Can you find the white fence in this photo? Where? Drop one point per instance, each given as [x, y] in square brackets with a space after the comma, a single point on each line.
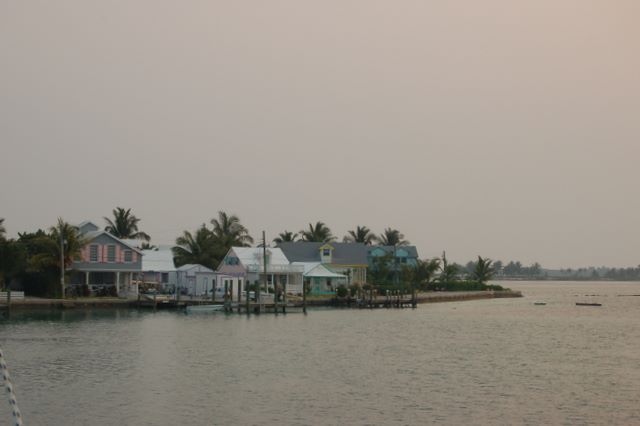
[15, 295]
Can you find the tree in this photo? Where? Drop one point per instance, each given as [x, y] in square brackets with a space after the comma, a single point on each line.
[513, 269]
[497, 265]
[229, 232]
[483, 271]
[318, 233]
[125, 225]
[285, 237]
[381, 269]
[392, 237]
[361, 234]
[197, 248]
[13, 257]
[47, 257]
[448, 272]
[421, 275]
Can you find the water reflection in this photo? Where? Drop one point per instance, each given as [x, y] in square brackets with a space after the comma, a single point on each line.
[489, 361]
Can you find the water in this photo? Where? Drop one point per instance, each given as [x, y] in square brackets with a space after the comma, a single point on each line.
[502, 361]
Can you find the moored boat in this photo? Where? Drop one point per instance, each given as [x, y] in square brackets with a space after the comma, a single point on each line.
[204, 309]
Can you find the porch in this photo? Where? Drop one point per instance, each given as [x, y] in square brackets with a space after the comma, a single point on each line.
[102, 283]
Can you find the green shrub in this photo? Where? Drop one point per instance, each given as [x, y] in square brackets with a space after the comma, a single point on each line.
[342, 291]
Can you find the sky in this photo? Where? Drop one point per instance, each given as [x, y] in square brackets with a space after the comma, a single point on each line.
[507, 129]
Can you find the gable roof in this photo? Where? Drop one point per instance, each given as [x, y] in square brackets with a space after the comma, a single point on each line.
[253, 255]
[190, 266]
[158, 261]
[92, 235]
[343, 253]
[87, 226]
[318, 270]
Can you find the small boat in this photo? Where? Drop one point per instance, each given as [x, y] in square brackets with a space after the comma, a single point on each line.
[540, 303]
[204, 309]
[588, 304]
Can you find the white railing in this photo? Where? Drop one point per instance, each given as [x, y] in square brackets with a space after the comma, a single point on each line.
[277, 269]
[15, 295]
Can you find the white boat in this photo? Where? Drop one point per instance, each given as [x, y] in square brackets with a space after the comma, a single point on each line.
[204, 309]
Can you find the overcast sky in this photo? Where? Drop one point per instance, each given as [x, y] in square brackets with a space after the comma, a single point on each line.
[509, 129]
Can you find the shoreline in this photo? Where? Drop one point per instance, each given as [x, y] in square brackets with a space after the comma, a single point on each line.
[116, 303]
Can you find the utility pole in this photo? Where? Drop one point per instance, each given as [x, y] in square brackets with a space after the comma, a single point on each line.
[61, 264]
[264, 279]
[275, 281]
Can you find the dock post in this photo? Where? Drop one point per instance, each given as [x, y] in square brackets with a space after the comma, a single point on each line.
[414, 301]
[226, 296]
[304, 296]
[275, 295]
[239, 297]
[246, 296]
[284, 299]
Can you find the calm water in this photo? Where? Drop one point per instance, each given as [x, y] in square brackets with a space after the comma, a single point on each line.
[501, 361]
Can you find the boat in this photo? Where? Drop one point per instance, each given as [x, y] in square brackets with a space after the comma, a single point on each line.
[588, 304]
[540, 303]
[204, 309]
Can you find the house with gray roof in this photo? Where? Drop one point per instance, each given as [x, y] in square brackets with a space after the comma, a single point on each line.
[346, 259]
[106, 265]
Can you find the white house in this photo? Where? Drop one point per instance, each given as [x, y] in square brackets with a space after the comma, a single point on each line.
[195, 280]
[158, 268]
[247, 265]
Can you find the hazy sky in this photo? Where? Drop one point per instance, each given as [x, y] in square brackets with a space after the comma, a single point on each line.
[505, 128]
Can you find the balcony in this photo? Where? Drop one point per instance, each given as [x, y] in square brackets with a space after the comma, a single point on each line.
[276, 269]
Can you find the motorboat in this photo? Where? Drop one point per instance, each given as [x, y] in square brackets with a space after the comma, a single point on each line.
[204, 309]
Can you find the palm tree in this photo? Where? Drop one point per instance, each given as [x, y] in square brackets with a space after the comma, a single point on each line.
[285, 237]
[318, 233]
[361, 234]
[424, 271]
[229, 232]
[392, 237]
[147, 246]
[483, 271]
[125, 225]
[448, 272]
[197, 248]
[49, 256]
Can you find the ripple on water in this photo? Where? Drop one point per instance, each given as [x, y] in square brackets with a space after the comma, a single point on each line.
[499, 361]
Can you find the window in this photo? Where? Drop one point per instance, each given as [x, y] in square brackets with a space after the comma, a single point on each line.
[403, 260]
[111, 253]
[165, 277]
[128, 256]
[93, 253]
[326, 252]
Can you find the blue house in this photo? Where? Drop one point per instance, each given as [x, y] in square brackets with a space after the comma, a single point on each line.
[404, 255]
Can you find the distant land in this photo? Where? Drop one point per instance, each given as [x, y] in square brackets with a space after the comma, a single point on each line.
[515, 270]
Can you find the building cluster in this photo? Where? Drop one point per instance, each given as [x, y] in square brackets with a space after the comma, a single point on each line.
[110, 265]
